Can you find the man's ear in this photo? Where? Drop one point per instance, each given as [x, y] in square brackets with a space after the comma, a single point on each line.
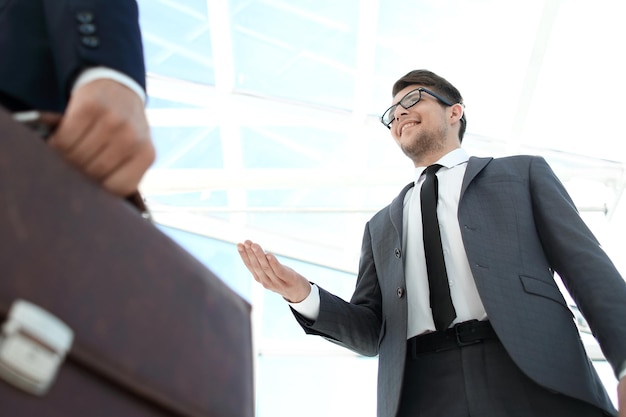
[457, 112]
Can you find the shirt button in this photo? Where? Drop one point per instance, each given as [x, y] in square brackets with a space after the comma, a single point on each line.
[398, 253]
[400, 292]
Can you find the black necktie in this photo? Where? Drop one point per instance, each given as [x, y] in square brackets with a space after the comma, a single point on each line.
[440, 301]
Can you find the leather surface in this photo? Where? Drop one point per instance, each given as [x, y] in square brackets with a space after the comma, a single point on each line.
[156, 332]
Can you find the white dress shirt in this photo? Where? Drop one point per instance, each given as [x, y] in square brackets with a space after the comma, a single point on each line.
[463, 290]
[98, 73]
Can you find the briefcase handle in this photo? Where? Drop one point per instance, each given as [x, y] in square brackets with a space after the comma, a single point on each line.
[44, 123]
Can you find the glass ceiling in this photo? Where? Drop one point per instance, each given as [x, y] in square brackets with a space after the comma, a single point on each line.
[265, 116]
[265, 112]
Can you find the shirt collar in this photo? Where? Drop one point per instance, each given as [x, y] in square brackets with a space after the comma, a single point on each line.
[453, 158]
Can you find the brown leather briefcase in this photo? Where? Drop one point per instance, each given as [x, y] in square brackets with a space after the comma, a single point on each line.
[149, 330]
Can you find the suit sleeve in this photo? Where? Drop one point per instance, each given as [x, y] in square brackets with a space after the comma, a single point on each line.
[90, 33]
[589, 275]
[355, 325]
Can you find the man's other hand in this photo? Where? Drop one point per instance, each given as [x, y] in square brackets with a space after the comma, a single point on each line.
[105, 133]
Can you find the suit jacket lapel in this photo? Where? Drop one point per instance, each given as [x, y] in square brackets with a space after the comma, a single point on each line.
[396, 208]
[474, 166]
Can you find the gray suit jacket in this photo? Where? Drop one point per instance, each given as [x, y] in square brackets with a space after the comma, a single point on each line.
[519, 226]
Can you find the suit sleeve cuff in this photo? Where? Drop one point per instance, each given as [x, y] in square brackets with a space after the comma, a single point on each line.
[97, 73]
[310, 306]
[622, 373]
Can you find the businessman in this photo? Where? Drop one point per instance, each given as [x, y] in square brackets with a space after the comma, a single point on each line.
[82, 59]
[455, 289]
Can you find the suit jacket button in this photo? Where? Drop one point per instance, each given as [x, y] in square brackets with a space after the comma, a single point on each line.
[90, 41]
[87, 28]
[398, 253]
[84, 17]
[400, 292]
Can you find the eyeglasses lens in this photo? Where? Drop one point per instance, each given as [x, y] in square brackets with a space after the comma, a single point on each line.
[411, 99]
[407, 101]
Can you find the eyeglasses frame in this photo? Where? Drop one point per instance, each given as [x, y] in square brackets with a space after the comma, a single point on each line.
[421, 90]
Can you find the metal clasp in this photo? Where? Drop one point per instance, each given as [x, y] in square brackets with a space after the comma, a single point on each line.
[33, 345]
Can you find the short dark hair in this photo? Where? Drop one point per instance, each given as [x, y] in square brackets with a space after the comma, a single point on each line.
[433, 81]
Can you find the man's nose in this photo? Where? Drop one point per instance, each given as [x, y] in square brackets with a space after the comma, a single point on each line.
[399, 111]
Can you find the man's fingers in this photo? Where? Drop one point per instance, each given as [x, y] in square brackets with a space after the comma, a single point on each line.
[124, 180]
[263, 269]
[269, 272]
[261, 257]
[105, 133]
[251, 261]
[245, 257]
[98, 149]
[278, 269]
[257, 262]
[70, 132]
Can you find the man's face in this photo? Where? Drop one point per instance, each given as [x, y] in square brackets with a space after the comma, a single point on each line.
[422, 128]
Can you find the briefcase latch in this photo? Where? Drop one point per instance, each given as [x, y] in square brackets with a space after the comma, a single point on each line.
[33, 344]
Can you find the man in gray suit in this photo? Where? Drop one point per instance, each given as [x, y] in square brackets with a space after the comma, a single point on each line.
[507, 344]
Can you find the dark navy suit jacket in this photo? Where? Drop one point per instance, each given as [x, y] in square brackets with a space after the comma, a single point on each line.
[45, 44]
[519, 226]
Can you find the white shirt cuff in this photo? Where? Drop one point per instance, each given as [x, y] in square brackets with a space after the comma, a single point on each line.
[310, 306]
[98, 73]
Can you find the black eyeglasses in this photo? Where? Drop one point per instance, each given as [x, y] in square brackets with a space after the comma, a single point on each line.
[409, 100]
